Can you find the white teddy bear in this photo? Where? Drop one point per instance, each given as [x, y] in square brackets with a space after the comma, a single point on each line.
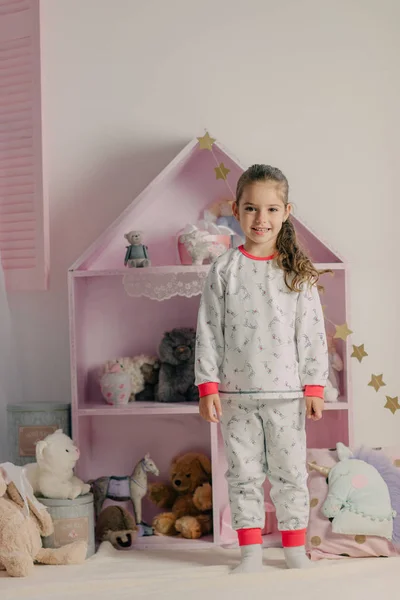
[52, 475]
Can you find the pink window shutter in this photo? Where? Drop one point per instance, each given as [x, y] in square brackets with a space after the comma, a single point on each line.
[24, 222]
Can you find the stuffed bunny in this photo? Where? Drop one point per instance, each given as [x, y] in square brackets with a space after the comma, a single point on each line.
[21, 531]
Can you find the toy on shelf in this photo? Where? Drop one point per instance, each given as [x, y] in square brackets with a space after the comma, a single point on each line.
[332, 389]
[188, 497]
[121, 489]
[176, 379]
[116, 525]
[21, 530]
[151, 372]
[136, 253]
[52, 476]
[364, 487]
[221, 214]
[126, 379]
[197, 246]
[116, 385]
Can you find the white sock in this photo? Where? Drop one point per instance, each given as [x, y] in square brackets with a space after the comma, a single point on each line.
[296, 558]
[251, 559]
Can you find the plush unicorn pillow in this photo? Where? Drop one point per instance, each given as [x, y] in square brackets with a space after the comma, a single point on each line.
[358, 500]
[325, 539]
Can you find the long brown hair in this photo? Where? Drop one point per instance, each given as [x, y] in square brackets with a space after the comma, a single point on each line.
[291, 258]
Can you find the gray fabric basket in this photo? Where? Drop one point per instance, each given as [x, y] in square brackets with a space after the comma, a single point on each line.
[73, 520]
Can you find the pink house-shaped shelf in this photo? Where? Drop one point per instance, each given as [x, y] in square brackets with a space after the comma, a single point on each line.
[117, 312]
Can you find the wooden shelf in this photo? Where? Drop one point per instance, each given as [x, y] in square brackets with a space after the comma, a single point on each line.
[139, 408]
[164, 282]
[274, 540]
[161, 408]
[155, 270]
[336, 406]
[157, 542]
[163, 269]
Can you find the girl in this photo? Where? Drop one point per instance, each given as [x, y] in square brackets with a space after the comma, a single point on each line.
[262, 364]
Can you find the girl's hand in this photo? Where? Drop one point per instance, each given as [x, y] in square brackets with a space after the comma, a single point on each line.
[210, 408]
[314, 407]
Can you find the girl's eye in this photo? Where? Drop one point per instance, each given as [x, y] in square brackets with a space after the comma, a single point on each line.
[249, 208]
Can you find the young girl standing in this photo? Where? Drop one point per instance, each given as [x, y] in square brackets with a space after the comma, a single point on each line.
[262, 364]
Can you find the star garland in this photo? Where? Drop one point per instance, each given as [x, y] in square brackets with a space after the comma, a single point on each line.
[392, 404]
[359, 353]
[206, 142]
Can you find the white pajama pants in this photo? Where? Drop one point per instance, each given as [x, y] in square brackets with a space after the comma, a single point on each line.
[265, 438]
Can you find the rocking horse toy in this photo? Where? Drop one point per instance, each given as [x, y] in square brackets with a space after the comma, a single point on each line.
[120, 489]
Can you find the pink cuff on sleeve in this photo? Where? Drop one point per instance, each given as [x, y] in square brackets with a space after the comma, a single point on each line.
[317, 391]
[205, 389]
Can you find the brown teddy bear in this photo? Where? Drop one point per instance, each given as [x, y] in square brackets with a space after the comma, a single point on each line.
[188, 498]
[20, 541]
[116, 525]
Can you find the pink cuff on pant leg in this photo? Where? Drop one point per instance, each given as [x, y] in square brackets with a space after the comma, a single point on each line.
[297, 537]
[247, 537]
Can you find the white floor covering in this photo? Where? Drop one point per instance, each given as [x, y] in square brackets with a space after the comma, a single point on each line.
[203, 574]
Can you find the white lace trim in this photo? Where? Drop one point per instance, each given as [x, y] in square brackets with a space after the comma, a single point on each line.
[162, 283]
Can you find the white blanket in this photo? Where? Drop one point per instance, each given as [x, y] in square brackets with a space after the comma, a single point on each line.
[17, 475]
[202, 575]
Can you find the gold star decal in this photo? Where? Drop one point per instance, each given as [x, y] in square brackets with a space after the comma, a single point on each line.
[206, 142]
[342, 331]
[359, 352]
[376, 382]
[221, 171]
[392, 404]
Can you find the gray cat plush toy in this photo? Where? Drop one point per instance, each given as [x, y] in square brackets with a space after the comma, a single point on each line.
[176, 376]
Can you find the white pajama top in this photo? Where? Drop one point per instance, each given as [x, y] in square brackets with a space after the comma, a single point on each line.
[255, 337]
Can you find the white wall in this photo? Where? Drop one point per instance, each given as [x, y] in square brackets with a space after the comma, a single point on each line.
[311, 86]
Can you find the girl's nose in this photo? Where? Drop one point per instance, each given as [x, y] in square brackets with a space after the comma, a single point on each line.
[262, 217]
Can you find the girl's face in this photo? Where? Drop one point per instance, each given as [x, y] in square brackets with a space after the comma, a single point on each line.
[261, 213]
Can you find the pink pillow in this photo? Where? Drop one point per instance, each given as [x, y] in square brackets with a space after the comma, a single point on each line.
[321, 541]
